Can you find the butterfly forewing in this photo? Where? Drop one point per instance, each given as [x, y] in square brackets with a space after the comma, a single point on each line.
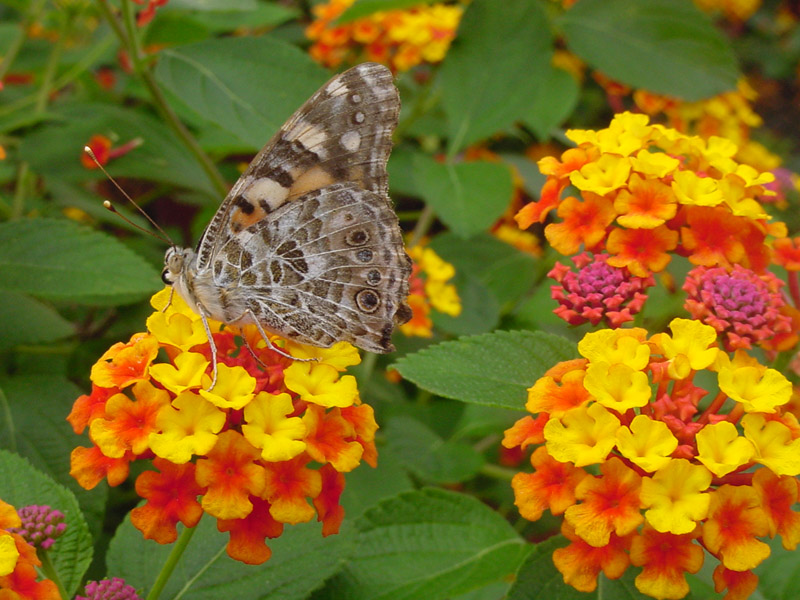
[342, 133]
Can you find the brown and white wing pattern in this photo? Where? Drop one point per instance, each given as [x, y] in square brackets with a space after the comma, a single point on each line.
[335, 269]
[343, 133]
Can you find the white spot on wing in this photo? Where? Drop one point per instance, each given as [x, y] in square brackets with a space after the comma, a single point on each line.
[350, 141]
[268, 190]
[335, 88]
[308, 134]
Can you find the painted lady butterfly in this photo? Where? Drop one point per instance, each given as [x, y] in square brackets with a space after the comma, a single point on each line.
[306, 244]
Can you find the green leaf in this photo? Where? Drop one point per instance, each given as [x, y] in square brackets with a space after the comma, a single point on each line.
[504, 270]
[497, 62]
[247, 86]
[493, 369]
[552, 102]
[401, 171]
[25, 320]
[22, 486]
[301, 560]
[538, 577]
[429, 544]
[36, 428]
[779, 575]
[429, 456]
[367, 486]
[59, 259]
[480, 311]
[363, 8]
[528, 170]
[228, 17]
[664, 46]
[468, 197]
[55, 150]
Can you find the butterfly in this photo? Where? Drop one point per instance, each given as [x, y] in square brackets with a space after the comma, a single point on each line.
[306, 244]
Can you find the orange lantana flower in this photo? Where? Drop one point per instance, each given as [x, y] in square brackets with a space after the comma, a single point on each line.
[580, 563]
[584, 223]
[665, 558]
[171, 494]
[735, 520]
[610, 504]
[642, 251]
[125, 363]
[247, 535]
[551, 486]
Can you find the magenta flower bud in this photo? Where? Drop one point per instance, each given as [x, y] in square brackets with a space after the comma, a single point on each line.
[109, 589]
[743, 306]
[41, 525]
[597, 291]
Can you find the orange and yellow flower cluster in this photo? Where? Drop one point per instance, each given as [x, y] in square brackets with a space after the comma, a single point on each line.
[267, 445]
[429, 288]
[648, 472]
[18, 562]
[729, 115]
[649, 192]
[400, 39]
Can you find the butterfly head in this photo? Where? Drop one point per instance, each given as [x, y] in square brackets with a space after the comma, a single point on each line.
[176, 261]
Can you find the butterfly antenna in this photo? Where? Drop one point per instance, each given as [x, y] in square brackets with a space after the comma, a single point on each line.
[164, 237]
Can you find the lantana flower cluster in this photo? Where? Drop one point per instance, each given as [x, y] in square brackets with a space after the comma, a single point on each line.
[267, 445]
[648, 193]
[429, 288]
[400, 39]
[18, 561]
[729, 115]
[655, 449]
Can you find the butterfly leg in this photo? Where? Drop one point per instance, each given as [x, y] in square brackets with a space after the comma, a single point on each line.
[272, 346]
[213, 347]
[169, 302]
[260, 362]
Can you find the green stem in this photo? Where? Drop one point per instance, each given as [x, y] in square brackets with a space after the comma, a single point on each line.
[112, 20]
[424, 397]
[130, 40]
[50, 68]
[19, 191]
[9, 419]
[132, 37]
[781, 362]
[426, 219]
[198, 573]
[50, 572]
[172, 561]
[496, 472]
[368, 366]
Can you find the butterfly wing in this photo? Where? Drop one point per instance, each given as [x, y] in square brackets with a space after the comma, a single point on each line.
[335, 268]
[307, 241]
[342, 133]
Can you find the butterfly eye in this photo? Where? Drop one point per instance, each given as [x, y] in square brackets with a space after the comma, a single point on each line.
[166, 278]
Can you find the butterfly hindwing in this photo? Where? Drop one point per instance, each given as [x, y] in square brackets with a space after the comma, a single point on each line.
[334, 268]
[342, 133]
